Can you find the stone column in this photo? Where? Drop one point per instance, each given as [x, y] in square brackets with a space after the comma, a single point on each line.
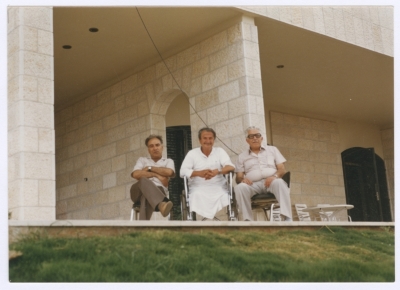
[31, 141]
[252, 85]
[228, 96]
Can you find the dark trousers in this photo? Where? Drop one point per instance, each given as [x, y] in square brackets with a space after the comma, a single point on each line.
[149, 195]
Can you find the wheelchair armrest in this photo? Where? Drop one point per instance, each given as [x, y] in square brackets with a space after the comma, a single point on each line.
[229, 177]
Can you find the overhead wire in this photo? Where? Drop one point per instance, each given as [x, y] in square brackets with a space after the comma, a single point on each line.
[173, 77]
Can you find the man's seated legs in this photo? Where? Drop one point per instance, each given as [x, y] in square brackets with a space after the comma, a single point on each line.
[151, 198]
[281, 191]
[243, 194]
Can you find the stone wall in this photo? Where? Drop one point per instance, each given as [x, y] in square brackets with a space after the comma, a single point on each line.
[31, 152]
[99, 139]
[311, 147]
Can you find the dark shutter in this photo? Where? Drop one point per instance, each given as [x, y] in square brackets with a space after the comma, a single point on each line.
[179, 142]
[365, 184]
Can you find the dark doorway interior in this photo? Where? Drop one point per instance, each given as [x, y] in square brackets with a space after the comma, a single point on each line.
[366, 185]
[179, 142]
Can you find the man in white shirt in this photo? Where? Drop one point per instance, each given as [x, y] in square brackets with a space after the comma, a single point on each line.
[153, 174]
[204, 167]
[258, 170]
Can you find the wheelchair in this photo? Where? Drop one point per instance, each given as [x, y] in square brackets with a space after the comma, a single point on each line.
[189, 215]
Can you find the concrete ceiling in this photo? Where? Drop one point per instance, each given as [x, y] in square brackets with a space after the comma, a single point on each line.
[321, 75]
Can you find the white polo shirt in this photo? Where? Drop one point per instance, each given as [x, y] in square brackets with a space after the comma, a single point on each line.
[259, 166]
[143, 162]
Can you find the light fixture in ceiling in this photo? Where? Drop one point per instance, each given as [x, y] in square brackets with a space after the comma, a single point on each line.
[67, 46]
[280, 66]
[93, 29]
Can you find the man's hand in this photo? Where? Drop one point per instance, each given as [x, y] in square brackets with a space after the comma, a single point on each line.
[269, 180]
[163, 171]
[206, 173]
[247, 181]
[240, 178]
[164, 180]
[211, 173]
[144, 173]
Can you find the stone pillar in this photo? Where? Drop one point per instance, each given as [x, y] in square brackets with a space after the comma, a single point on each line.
[255, 115]
[31, 139]
[228, 96]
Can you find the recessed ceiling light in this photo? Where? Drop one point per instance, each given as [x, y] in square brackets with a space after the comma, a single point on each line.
[93, 29]
[67, 46]
[280, 66]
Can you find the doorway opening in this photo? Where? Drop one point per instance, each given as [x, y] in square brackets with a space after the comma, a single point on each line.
[179, 142]
[366, 185]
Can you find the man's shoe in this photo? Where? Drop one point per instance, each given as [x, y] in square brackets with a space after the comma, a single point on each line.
[165, 207]
[288, 219]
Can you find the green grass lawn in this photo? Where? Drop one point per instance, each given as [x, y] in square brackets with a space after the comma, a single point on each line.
[326, 255]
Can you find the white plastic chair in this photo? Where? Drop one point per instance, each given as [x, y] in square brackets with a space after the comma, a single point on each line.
[135, 211]
[324, 215]
[275, 213]
[302, 215]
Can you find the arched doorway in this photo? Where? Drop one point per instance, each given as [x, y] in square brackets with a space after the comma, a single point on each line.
[366, 185]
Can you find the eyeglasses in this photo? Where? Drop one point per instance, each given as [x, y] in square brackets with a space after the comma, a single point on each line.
[251, 136]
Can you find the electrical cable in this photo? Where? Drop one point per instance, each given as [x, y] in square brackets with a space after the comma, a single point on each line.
[173, 77]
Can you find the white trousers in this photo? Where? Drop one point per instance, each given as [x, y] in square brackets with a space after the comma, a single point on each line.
[244, 193]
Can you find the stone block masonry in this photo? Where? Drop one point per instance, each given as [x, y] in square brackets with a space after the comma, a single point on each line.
[100, 138]
[313, 158]
[31, 138]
